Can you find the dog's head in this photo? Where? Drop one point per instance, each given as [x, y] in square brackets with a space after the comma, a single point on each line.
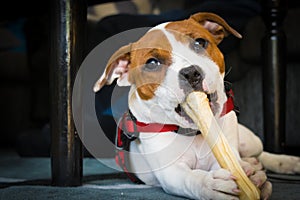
[167, 63]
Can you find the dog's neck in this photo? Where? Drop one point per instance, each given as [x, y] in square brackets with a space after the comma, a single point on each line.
[132, 125]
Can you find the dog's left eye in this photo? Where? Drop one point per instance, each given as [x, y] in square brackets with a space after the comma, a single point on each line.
[152, 64]
[199, 44]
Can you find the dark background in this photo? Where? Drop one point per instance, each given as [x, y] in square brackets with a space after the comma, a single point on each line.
[24, 64]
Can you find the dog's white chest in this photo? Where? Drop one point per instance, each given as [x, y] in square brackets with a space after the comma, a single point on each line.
[163, 149]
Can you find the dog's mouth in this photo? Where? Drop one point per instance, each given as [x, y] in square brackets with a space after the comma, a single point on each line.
[212, 97]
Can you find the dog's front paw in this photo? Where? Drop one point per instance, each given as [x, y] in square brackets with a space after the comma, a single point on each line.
[220, 184]
[255, 171]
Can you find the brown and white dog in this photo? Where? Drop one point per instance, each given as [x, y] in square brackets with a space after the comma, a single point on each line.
[162, 68]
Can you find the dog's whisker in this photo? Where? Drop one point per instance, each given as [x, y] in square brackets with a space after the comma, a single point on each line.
[228, 71]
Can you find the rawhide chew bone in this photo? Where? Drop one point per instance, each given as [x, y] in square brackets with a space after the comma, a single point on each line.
[198, 109]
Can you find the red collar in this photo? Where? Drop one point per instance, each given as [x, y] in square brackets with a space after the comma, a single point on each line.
[132, 126]
[151, 127]
[129, 129]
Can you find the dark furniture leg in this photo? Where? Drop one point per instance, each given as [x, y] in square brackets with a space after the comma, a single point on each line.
[274, 75]
[68, 19]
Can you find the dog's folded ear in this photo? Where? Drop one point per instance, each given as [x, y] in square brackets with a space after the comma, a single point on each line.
[216, 25]
[116, 68]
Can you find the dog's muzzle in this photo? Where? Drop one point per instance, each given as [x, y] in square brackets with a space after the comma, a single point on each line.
[191, 79]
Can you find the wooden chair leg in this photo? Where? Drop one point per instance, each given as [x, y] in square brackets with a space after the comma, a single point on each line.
[274, 75]
[68, 19]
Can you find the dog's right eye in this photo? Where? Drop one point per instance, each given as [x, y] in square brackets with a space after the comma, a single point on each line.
[199, 45]
[152, 64]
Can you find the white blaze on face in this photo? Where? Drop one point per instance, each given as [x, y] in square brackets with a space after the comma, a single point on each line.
[183, 57]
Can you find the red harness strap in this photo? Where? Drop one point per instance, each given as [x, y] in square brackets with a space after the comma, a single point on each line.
[153, 127]
[127, 131]
[229, 104]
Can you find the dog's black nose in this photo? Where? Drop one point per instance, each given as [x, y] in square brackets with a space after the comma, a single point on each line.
[191, 78]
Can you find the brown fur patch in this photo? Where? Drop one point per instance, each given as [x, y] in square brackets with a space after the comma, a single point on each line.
[144, 49]
[194, 30]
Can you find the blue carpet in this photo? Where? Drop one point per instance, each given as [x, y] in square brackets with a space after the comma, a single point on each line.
[29, 178]
[82, 193]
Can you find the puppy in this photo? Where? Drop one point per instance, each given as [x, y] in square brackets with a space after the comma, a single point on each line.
[164, 146]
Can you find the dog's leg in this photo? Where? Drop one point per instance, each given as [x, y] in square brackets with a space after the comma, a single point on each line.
[280, 163]
[250, 145]
[180, 180]
[140, 166]
[178, 175]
